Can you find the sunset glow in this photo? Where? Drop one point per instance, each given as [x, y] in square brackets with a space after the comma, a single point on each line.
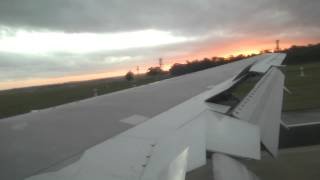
[57, 42]
[245, 48]
[59, 80]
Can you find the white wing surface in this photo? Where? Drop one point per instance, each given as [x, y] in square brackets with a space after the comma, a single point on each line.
[175, 141]
[262, 107]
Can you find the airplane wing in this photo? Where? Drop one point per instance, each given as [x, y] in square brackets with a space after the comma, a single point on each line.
[270, 60]
[262, 106]
[172, 141]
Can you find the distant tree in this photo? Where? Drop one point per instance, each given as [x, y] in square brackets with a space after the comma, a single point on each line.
[302, 54]
[178, 69]
[265, 51]
[198, 65]
[236, 58]
[295, 54]
[153, 71]
[129, 76]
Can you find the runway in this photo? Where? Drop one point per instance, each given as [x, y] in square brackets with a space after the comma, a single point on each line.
[301, 118]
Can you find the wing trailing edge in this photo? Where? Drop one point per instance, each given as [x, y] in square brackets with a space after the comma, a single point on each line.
[262, 106]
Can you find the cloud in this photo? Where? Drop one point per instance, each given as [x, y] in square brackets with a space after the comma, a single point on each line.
[183, 16]
[210, 24]
[21, 41]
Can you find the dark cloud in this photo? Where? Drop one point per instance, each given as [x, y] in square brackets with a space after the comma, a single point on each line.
[215, 22]
[17, 66]
[182, 16]
[22, 66]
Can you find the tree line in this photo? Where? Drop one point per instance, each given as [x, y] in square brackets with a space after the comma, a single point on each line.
[295, 55]
[198, 65]
[302, 54]
[190, 66]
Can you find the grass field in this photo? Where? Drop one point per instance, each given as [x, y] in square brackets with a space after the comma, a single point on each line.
[305, 91]
[21, 101]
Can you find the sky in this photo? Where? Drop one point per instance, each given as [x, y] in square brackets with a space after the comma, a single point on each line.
[46, 41]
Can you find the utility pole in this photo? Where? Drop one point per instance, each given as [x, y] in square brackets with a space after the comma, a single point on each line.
[160, 63]
[277, 46]
[138, 70]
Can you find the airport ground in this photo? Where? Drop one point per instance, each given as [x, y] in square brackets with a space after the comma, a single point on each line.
[20, 101]
[301, 105]
[293, 163]
[299, 155]
[304, 91]
[301, 102]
